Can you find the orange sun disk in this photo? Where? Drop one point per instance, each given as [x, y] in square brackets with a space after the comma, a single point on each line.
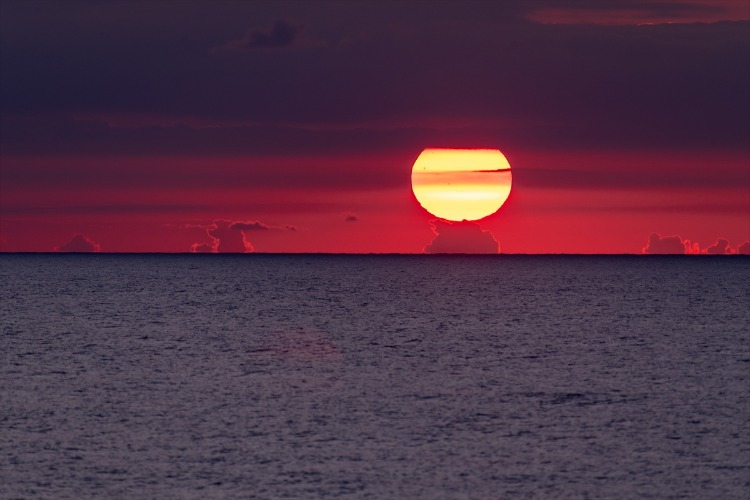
[461, 184]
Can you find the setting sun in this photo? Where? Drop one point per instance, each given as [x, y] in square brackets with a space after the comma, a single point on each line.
[461, 184]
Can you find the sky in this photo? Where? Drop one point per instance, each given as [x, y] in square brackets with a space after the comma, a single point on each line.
[227, 126]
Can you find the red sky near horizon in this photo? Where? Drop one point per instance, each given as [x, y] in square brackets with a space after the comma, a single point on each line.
[293, 126]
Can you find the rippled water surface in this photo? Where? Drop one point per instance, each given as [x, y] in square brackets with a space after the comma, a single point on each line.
[374, 376]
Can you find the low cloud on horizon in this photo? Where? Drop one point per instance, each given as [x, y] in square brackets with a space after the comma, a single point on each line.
[228, 236]
[461, 237]
[676, 245]
[79, 243]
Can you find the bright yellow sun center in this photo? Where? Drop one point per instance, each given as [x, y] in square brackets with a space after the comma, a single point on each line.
[458, 184]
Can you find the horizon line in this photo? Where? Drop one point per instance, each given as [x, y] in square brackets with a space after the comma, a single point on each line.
[359, 254]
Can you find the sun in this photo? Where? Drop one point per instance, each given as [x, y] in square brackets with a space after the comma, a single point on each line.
[461, 184]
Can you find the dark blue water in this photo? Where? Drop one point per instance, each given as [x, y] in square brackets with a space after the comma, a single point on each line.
[374, 376]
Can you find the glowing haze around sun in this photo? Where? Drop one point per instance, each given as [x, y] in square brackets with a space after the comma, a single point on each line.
[461, 184]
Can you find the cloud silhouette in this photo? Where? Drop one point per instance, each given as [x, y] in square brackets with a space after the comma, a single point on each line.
[667, 245]
[670, 245]
[351, 217]
[461, 237]
[228, 239]
[282, 34]
[721, 247]
[79, 243]
[202, 248]
[228, 236]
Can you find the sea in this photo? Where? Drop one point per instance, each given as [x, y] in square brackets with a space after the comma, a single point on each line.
[374, 376]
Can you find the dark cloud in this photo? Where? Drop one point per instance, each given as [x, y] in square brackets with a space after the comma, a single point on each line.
[461, 237]
[351, 217]
[79, 243]
[721, 247]
[203, 248]
[669, 245]
[529, 85]
[282, 34]
[666, 245]
[225, 238]
[229, 236]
